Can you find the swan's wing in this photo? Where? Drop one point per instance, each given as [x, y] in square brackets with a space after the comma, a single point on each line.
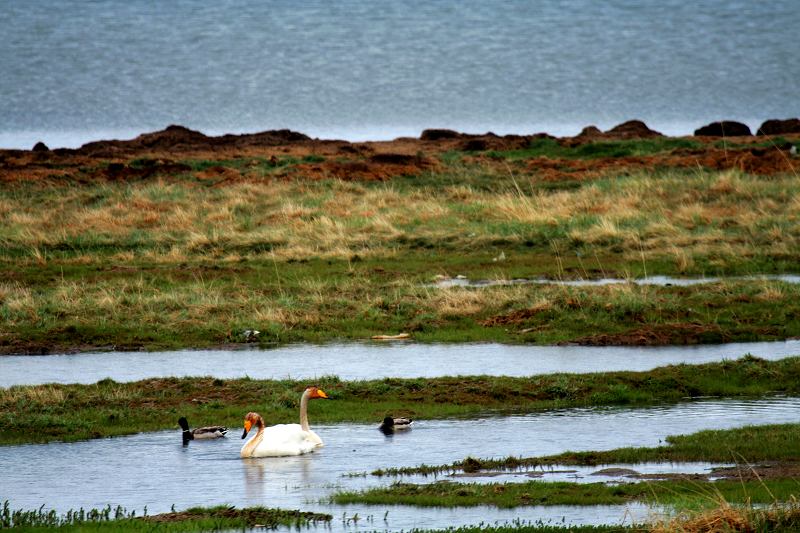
[286, 439]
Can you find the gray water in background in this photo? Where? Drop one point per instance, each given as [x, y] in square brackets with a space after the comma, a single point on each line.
[354, 361]
[153, 469]
[357, 69]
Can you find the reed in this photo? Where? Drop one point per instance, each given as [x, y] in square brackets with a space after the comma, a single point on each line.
[217, 518]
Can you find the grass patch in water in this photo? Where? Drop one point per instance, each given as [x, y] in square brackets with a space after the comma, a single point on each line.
[682, 493]
[776, 442]
[195, 519]
[74, 412]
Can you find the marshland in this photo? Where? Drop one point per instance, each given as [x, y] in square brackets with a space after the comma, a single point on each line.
[449, 215]
[276, 272]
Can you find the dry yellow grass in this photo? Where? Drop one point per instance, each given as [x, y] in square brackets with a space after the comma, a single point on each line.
[700, 214]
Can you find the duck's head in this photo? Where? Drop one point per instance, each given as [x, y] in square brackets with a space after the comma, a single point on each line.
[250, 420]
[315, 392]
[183, 423]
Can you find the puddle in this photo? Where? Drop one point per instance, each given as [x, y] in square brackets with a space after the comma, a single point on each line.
[354, 361]
[662, 281]
[155, 470]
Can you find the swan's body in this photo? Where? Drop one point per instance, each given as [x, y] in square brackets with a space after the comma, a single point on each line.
[208, 432]
[282, 439]
[390, 424]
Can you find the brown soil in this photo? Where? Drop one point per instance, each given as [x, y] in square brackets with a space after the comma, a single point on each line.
[163, 154]
[659, 334]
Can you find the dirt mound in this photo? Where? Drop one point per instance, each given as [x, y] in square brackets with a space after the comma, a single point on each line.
[726, 128]
[379, 167]
[439, 134]
[779, 127]
[658, 335]
[144, 169]
[180, 139]
[632, 129]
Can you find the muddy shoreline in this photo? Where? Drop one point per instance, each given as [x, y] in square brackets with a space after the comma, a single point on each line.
[164, 154]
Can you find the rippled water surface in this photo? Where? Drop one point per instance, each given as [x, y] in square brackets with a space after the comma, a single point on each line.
[78, 71]
[371, 361]
[154, 469]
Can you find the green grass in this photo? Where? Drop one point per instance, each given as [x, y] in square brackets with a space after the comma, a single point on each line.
[777, 442]
[636, 147]
[74, 412]
[179, 261]
[692, 494]
[195, 519]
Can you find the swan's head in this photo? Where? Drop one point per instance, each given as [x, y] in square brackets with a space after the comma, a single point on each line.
[315, 392]
[251, 419]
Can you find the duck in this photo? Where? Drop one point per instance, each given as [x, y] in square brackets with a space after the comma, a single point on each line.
[391, 424]
[283, 440]
[208, 432]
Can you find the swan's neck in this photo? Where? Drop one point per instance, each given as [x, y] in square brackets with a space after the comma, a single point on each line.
[304, 410]
[251, 445]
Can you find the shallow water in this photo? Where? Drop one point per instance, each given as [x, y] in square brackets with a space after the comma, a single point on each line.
[155, 470]
[371, 361]
[360, 70]
[661, 281]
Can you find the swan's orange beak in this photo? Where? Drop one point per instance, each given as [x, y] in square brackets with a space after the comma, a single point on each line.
[247, 426]
[321, 394]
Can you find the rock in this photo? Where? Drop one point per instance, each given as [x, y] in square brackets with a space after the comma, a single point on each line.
[40, 147]
[779, 127]
[633, 129]
[250, 335]
[726, 128]
[437, 134]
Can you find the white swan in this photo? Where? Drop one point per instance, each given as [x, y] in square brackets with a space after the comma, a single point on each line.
[282, 439]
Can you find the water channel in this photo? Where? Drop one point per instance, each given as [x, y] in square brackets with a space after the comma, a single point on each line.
[354, 361]
[155, 470]
[659, 281]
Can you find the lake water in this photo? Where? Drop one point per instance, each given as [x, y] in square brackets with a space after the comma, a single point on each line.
[155, 470]
[356, 69]
[371, 361]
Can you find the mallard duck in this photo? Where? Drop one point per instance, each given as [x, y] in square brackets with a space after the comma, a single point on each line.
[391, 424]
[208, 432]
[283, 439]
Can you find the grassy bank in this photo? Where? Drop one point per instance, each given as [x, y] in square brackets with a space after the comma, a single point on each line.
[684, 494]
[180, 260]
[73, 412]
[777, 442]
[194, 519]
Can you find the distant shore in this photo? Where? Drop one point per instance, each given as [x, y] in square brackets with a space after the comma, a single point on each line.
[24, 140]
